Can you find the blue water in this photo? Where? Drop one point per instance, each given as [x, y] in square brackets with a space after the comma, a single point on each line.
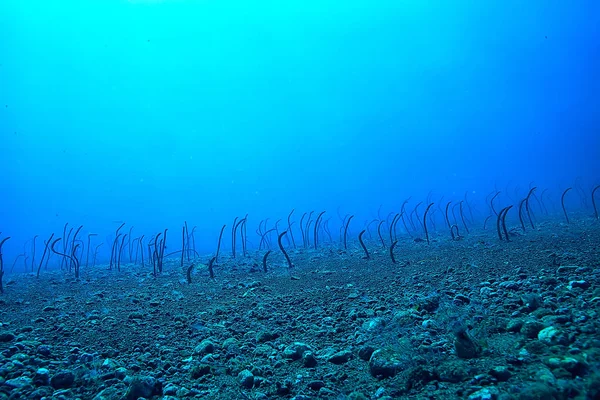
[154, 113]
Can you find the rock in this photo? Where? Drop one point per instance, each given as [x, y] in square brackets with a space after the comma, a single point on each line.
[579, 284]
[429, 324]
[545, 376]
[461, 300]
[552, 336]
[41, 392]
[205, 347]
[136, 315]
[230, 343]
[295, 350]
[44, 350]
[141, 386]
[386, 364]
[41, 377]
[487, 393]
[20, 382]
[531, 328]
[109, 363]
[120, 373]
[200, 370]
[263, 337]
[501, 373]
[309, 360]
[465, 346]
[365, 352]
[574, 366]
[536, 391]
[514, 325]
[452, 371]
[108, 394]
[419, 377]
[6, 337]
[374, 324]
[63, 379]
[246, 379]
[341, 357]
[565, 269]
[316, 385]
[510, 285]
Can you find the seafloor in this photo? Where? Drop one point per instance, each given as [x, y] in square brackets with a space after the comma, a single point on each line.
[475, 318]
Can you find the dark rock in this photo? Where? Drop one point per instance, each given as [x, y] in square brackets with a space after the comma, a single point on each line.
[41, 377]
[531, 329]
[465, 346]
[419, 377]
[6, 337]
[141, 386]
[62, 379]
[246, 379]
[365, 352]
[263, 337]
[579, 284]
[200, 370]
[44, 350]
[284, 389]
[316, 385]
[501, 373]
[205, 347]
[309, 360]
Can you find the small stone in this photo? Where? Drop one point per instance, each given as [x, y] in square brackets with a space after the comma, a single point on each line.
[44, 350]
[531, 328]
[466, 347]
[309, 360]
[41, 377]
[490, 393]
[574, 366]
[501, 373]
[200, 370]
[514, 325]
[511, 285]
[120, 373]
[579, 284]
[6, 337]
[295, 350]
[385, 364]
[141, 386]
[20, 382]
[263, 337]
[170, 390]
[246, 379]
[205, 347]
[340, 357]
[365, 352]
[136, 315]
[565, 269]
[552, 336]
[62, 379]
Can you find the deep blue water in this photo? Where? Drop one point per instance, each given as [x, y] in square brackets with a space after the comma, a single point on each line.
[158, 112]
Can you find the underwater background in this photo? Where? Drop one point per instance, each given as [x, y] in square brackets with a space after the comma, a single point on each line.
[300, 200]
[154, 113]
